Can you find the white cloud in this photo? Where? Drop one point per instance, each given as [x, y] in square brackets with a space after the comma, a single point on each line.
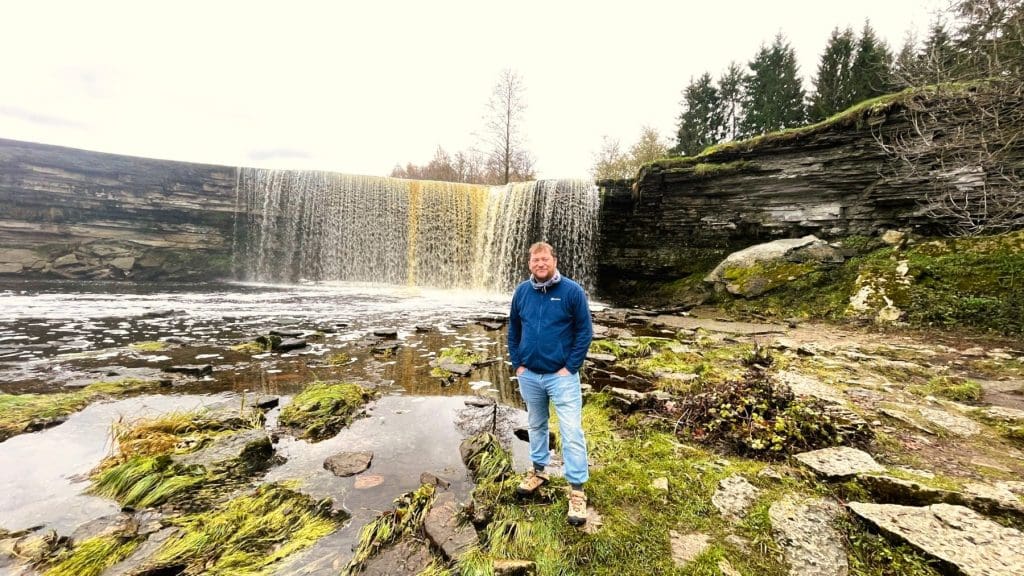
[359, 87]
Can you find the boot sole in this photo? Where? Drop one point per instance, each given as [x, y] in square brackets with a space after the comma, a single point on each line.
[577, 521]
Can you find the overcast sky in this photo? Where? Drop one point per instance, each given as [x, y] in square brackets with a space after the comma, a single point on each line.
[360, 86]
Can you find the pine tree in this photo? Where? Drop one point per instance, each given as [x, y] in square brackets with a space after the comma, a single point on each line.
[701, 124]
[774, 92]
[833, 88]
[730, 90]
[938, 56]
[870, 72]
[906, 67]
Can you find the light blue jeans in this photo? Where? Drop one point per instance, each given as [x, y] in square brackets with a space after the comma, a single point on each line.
[564, 392]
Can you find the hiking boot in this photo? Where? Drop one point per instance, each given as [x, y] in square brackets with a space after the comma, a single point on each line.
[531, 482]
[577, 507]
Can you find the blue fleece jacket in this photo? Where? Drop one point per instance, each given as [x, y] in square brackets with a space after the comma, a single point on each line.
[549, 328]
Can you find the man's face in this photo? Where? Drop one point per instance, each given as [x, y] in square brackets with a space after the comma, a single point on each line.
[542, 265]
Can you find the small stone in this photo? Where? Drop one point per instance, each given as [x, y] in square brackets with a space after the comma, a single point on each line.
[348, 463]
[428, 478]
[660, 484]
[368, 481]
[390, 333]
[191, 369]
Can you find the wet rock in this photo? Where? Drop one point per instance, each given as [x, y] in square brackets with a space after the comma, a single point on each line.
[687, 547]
[289, 344]
[428, 478]
[804, 529]
[952, 423]
[34, 547]
[491, 325]
[514, 568]
[408, 557]
[956, 536]
[160, 314]
[443, 528]
[190, 369]
[734, 497]
[424, 328]
[242, 406]
[367, 481]
[122, 524]
[142, 561]
[839, 463]
[286, 333]
[385, 332]
[251, 449]
[385, 347]
[460, 369]
[348, 463]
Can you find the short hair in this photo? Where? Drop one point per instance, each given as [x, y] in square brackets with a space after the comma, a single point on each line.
[538, 246]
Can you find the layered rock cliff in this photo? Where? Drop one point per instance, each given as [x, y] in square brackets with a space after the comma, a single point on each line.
[876, 167]
[78, 214]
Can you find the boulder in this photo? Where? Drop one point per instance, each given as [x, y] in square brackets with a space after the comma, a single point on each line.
[764, 267]
[805, 531]
[956, 536]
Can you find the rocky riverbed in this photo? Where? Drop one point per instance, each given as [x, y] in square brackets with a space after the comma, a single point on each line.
[923, 454]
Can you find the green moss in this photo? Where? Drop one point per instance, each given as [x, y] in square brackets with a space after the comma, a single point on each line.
[708, 169]
[92, 557]
[958, 389]
[460, 355]
[150, 346]
[324, 408]
[26, 412]
[252, 347]
[766, 276]
[247, 534]
[966, 282]
[339, 359]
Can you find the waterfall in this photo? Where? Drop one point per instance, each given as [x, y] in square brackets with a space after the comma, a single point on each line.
[293, 225]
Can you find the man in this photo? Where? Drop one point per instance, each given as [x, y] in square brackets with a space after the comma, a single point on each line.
[549, 332]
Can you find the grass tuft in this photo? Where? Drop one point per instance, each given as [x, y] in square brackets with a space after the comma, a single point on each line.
[93, 556]
[406, 518]
[247, 534]
[324, 408]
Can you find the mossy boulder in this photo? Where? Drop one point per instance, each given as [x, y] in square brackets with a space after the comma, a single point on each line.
[764, 267]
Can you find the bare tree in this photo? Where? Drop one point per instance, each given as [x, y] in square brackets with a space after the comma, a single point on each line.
[504, 139]
[612, 163]
[966, 149]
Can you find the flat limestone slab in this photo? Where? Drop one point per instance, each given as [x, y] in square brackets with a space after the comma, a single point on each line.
[956, 535]
[839, 462]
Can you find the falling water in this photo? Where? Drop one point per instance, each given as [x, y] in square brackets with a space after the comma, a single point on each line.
[329, 226]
